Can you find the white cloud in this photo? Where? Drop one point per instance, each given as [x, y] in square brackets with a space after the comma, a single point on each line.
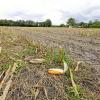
[57, 10]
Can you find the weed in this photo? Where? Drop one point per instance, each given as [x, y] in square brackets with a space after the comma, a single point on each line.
[20, 65]
[60, 55]
[27, 51]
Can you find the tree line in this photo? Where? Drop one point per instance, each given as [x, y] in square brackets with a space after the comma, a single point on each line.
[91, 24]
[27, 23]
[71, 22]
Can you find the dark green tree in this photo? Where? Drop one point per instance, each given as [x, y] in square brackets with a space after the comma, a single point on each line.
[29, 23]
[48, 23]
[71, 22]
[62, 25]
[95, 24]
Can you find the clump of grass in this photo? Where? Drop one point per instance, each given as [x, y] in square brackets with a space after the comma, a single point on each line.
[73, 90]
[4, 67]
[5, 61]
[71, 93]
[27, 51]
[20, 65]
[57, 55]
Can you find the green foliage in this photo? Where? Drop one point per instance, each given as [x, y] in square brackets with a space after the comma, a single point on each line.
[27, 51]
[28, 23]
[4, 67]
[20, 65]
[95, 24]
[71, 22]
[57, 56]
[83, 25]
[90, 24]
[62, 25]
[48, 23]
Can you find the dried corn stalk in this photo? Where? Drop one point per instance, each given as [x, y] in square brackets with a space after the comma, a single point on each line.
[8, 75]
[2, 76]
[5, 77]
[3, 97]
[73, 83]
[65, 66]
[77, 67]
[36, 61]
[0, 49]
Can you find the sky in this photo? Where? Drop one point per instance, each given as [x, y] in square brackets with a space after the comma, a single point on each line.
[56, 10]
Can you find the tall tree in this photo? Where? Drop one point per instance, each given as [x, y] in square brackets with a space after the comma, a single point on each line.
[48, 23]
[71, 22]
[83, 25]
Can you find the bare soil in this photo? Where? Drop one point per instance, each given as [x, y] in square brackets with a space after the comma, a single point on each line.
[81, 44]
[34, 83]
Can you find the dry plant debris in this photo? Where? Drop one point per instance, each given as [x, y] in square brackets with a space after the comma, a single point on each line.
[0, 49]
[37, 61]
[57, 86]
[77, 67]
[34, 61]
[6, 78]
[73, 83]
[8, 84]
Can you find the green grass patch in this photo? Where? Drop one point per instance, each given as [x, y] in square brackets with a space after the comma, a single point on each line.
[30, 51]
[57, 56]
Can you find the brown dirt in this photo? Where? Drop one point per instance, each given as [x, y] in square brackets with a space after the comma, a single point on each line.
[34, 79]
[81, 44]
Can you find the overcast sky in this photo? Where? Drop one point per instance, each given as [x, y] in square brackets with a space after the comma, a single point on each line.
[56, 10]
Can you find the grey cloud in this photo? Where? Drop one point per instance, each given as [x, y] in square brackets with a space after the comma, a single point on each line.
[89, 10]
[90, 13]
[25, 16]
[77, 16]
[86, 14]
